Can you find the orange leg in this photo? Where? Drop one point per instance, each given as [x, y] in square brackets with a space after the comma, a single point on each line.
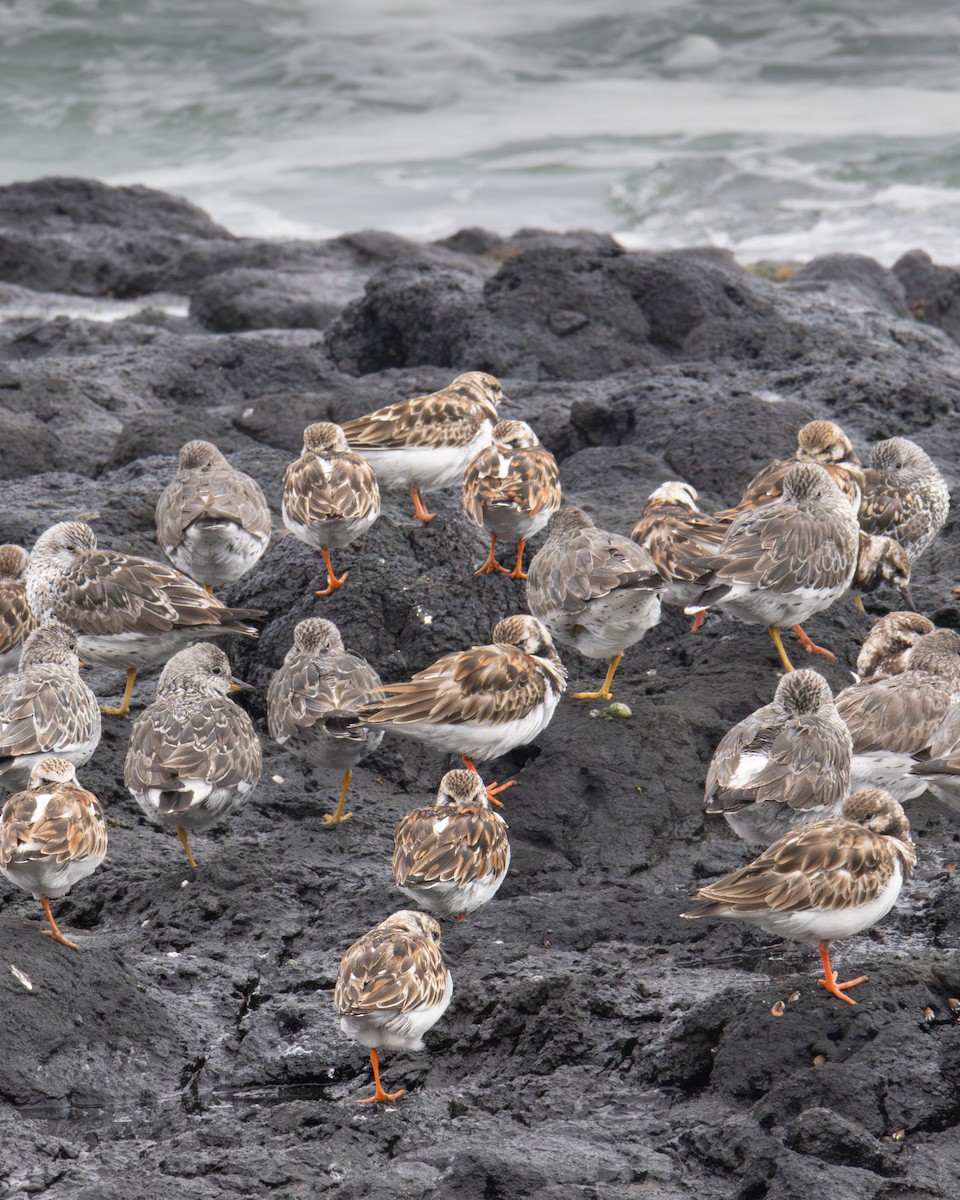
[698, 620]
[830, 977]
[379, 1094]
[420, 512]
[812, 647]
[493, 789]
[332, 581]
[53, 931]
[461, 916]
[518, 572]
[491, 564]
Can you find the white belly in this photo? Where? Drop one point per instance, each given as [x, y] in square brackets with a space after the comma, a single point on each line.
[510, 524]
[330, 535]
[328, 753]
[762, 824]
[889, 770]
[217, 554]
[44, 877]
[17, 774]
[482, 742]
[760, 606]
[210, 804]
[427, 466]
[126, 650]
[609, 624]
[451, 898]
[397, 1030]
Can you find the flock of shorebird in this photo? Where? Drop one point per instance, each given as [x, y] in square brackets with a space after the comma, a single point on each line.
[815, 781]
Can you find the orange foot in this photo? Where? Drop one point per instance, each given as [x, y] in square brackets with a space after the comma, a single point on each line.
[830, 977]
[491, 564]
[420, 512]
[493, 789]
[53, 931]
[698, 620]
[812, 648]
[379, 1095]
[461, 916]
[332, 581]
[518, 572]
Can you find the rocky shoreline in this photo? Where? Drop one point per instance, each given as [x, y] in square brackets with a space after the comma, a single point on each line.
[597, 1046]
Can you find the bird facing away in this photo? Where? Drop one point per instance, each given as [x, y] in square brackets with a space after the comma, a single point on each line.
[52, 836]
[194, 757]
[822, 882]
[511, 489]
[127, 611]
[16, 619]
[677, 535]
[905, 496]
[46, 708]
[596, 591]
[426, 442]
[893, 719]
[940, 771]
[392, 987]
[330, 496]
[452, 857]
[482, 702]
[781, 563]
[786, 765]
[313, 703]
[212, 520]
[819, 442]
[885, 647]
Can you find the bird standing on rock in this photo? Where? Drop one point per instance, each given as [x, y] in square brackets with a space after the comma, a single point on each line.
[781, 563]
[676, 534]
[194, 756]
[596, 591]
[392, 987]
[904, 496]
[16, 619]
[822, 882]
[511, 489]
[52, 836]
[426, 442]
[127, 611]
[313, 701]
[212, 520]
[330, 496]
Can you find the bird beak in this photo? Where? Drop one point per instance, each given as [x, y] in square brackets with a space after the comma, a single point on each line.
[858, 603]
[904, 593]
[237, 685]
[505, 402]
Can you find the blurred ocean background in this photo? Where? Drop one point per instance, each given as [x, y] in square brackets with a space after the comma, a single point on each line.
[778, 128]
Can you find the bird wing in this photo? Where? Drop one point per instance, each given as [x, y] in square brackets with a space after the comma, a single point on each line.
[677, 541]
[218, 494]
[16, 619]
[214, 741]
[72, 827]
[900, 713]
[435, 420]
[566, 576]
[446, 844]
[389, 971]
[41, 712]
[342, 486]
[306, 689]
[528, 480]
[891, 510]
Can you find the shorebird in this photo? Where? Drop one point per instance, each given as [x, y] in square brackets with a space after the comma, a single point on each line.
[822, 882]
[511, 489]
[426, 442]
[885, 647]
[392, 987]
[596, 591]
[16, 619]
[212, 520]
[905, 496]
[677, 535]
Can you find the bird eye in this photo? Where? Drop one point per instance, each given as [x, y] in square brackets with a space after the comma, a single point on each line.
[218, 670]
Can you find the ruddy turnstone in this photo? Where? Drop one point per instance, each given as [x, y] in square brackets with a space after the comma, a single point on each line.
[596, 591]
[194, 757]
[786, 765]
[895, 718]
[330, 496]
[822, 882]
[885, 647]
[212, 520]
[940, 772]
[676, 534]
[128, 612]
[904, 495]
[52, 836]
[781, 563]
[881, 562]
[46, 708]
[16, 619]
[392, 987]
[313, 701]
[452, 857]
[482, 702]
[427, 442]
[511, 489]
[818, 442]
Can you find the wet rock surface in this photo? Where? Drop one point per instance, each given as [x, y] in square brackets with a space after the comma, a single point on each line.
[597, 1045]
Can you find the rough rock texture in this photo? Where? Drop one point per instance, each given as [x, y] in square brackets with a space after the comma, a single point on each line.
[597, 1047]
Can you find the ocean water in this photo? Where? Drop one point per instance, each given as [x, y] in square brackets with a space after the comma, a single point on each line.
[778, 128]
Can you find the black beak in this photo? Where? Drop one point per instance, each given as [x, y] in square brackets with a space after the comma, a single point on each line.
[904, 593]
[237, 685]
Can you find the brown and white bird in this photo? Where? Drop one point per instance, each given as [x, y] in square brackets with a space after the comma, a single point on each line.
[822, 882]
[781, 563]
[819, 442]
[482, 702]
[452, 857]
[905, 496]
[426, 442]
[16, 619]
[314, 700]
[893, 719]
[940, 768]
[52, 836]
[885, 647]
[511, 489]
[330, 496]
[46, 708]
[786, 765]
[596, 591]
[194, 756]
[212, 520]
[392, 987]
[881, 563]
[677, 535]
[127, 611]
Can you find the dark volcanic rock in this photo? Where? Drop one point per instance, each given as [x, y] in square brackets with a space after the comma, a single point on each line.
[260, 299]
[931, 291]
[598, 1046]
